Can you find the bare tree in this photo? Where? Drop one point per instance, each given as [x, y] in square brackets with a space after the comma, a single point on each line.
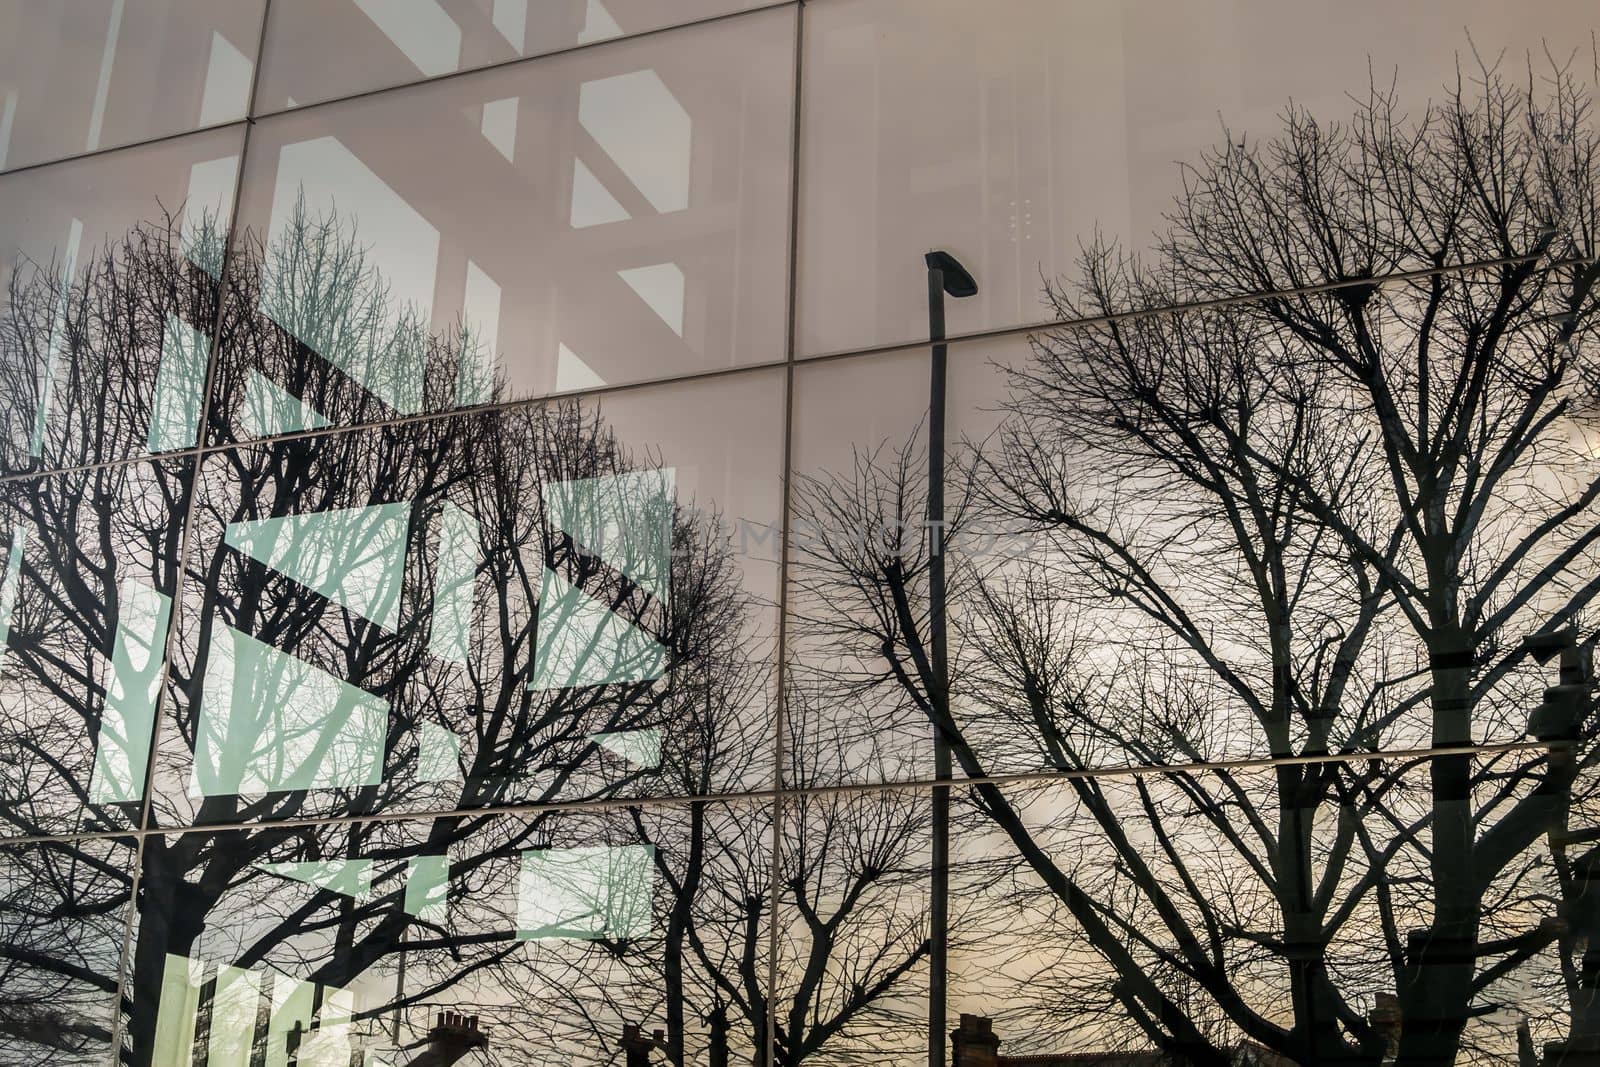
[1315, 523]
[211, 896]
[97, 339]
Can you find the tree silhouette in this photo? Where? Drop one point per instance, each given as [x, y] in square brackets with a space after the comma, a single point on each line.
[90, 351]
[1317, 523]
[350, 957]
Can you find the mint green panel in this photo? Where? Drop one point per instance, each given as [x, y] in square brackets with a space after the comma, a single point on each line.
[352, 556]
[272, 723]
[625, 519]
[347, 877]
[640, 747]
[583, 894]
[8, 585]
[427, 887]
[582, 643]
[438, 754]
[455, 570]
[122, 750]
[269, 409]
[252, 1018]
[180, 385]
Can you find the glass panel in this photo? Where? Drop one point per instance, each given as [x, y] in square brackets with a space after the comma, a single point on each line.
[852, 984]
[80, 75]
[108, 295]
[1314, 913]
[310, 42]
[1191, 536]
[86, 599]
[860, 494]
[1013, 133]
[63, 919]
[571, 935]
[538, 603]
[606, 216]
[859, 566]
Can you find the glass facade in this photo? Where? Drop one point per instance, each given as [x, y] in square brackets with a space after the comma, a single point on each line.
[522, 542]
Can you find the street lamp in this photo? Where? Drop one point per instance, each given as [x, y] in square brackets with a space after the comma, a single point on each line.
[946, 277]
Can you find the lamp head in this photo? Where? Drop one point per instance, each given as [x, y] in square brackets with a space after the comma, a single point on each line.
[957, 282]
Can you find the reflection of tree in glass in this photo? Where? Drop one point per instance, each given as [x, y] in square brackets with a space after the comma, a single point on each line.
[95, 533]
[854, 935]
[1320, 522]
[856, 868]
[78, 362]
[104, 356]
[58, 977]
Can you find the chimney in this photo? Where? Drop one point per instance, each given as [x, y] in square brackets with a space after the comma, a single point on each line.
[637, 1047]
[451, 1038]
[973, 1043]
[1385, 1021]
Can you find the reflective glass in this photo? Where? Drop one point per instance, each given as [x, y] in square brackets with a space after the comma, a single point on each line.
[1243, 915]
[558, 936]
[108, 297]
[860, 549]
[549, 602]
[398, 684]
[1190, 536]
[606, 216]
[852, 966]
[307, 56]
[63, 916]
[81, 75]
[86, 600]
[1016, 132]
[1318, 913]
[860, 467]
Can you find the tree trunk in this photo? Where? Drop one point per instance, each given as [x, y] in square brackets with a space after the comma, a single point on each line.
[717, 1024]
[170, 918]
[1440, 960]
[1315, 1039]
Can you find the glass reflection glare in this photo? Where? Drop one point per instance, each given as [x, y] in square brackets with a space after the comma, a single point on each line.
[607, 216]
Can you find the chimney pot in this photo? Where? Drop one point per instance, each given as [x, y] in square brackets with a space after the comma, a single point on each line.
[1385, 1019]
[973, 1043]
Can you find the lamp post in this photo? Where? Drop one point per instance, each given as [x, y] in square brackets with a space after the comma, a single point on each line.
[946, 276]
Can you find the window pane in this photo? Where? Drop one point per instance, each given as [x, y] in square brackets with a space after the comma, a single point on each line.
[549, 602]
[310, 42]
[551, 931]
[860, 493]
[1008, 132]
[108, 295]
[63, 914]
[80, 75]
[607, 216]
[860, 548]
[1180, 537]
[86, 599]
[852, 917]
[1241, 915]
[1267, 912]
